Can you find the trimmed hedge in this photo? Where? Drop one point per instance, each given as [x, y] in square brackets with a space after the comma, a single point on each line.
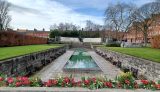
[11, 38]
[155, 42]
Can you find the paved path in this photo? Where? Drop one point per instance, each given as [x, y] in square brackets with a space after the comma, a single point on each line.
[109, 70]
[55, 89]
[55, 69]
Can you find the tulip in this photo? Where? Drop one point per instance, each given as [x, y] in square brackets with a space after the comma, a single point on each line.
[127, 82]
[158, 86]
[18, 84]
[1, 78]
[54, 82]
[108, 84]
[86, 82]
[66, 80]
[145, 82]
[10, 80]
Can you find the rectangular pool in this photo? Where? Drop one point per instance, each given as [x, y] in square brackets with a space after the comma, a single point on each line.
[81, 61]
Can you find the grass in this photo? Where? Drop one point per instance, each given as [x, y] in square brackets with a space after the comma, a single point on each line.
[145, 53]
[9, 52]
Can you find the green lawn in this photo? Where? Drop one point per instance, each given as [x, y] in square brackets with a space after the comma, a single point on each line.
[9, 52]
[146, 53]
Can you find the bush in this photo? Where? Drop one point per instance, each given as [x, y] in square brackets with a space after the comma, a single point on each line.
[155, 42]
[11, 38]
[113, 45]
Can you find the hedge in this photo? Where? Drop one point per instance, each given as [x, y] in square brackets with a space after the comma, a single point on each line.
[155, 41]
[12, 38]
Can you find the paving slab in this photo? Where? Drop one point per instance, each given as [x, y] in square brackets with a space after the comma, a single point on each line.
[54, 68]
[109, 70]
[74, 89]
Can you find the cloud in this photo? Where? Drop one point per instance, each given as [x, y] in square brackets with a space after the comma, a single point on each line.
[42, 13]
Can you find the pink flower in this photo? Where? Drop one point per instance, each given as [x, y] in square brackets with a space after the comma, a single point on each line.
[79, 83]
[26, 82]
[18, 84]
[10, 80]
[25, 78]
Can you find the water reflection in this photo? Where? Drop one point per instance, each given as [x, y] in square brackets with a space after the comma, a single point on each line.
[81, 59]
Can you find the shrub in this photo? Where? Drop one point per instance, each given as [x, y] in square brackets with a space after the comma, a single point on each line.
[113, 45]
[11, 38]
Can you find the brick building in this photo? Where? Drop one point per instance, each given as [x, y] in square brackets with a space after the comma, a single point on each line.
[135, 36]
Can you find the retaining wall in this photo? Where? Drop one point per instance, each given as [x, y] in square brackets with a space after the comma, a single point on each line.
[30, 63]
[141, 67]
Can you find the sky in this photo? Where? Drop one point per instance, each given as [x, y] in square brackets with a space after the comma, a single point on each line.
[39, 14]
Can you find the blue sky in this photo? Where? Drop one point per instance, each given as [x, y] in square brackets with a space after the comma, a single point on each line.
[30, 14]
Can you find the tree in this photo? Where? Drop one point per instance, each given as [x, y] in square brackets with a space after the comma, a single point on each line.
[4, 17]
[120, 16]
[145, 17]
[64, 27]
[90, 26]
[54, 33]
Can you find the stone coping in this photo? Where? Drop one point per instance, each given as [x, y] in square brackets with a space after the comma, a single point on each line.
[146, 60]
[8, 59]
[63, 89]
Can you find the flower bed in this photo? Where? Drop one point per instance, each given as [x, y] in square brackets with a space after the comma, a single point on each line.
[91, 83]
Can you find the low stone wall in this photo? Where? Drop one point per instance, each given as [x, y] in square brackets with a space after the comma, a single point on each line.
[92, 40]
[28, 64]
[140, 67]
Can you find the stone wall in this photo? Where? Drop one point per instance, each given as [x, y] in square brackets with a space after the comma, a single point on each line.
[92, 40]
[139, 67]
[69, 39]
[28, 64]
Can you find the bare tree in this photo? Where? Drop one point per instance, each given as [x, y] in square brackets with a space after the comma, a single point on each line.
[145, 16]
[120, 16]
[64, 27]
[4, 17]
[90, 26]
[53, 27]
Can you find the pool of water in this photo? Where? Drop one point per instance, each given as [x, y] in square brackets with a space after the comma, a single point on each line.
[81, 60]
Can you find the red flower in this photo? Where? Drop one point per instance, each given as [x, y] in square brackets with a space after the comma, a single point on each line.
[86, 82]
[94, 80]
[79, 83]
[54, 82]
[127, 82]
[1, 78]
[158, 86]
[25, 78]
[66, 80]
[26, 82]
[48, 84]
[73, 81]
[119, 85]
[136, 85]
[10, 80]
[108, 84]
[18, 84]
[153, 82]
[145, 82]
